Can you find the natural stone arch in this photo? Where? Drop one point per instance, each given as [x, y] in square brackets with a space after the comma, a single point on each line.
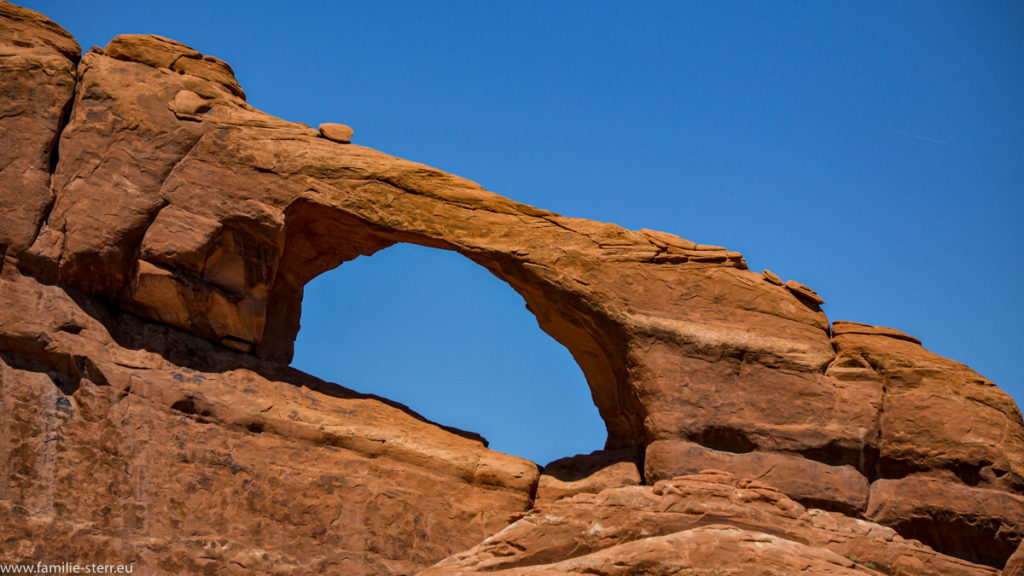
[233, 211]
[319, 238]
[174, 199]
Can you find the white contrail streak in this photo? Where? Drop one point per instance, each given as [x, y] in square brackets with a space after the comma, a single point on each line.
[918, 136]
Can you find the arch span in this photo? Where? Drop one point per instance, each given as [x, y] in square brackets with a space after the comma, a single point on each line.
[175, 199]
[320, 238]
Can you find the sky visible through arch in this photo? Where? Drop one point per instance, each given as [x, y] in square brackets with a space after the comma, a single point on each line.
[437, 332]
[872, 150]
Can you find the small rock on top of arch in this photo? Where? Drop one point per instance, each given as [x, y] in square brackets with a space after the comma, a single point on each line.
[337, 132]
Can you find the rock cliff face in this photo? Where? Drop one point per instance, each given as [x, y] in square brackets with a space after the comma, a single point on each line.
[156, 233]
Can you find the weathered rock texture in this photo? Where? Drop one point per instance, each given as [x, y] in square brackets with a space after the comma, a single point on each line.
[699, 524]
[128, 442]
[157, 232]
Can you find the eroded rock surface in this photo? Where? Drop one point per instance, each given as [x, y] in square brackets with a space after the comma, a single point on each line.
[127, 442]
[706, 523]
[37, 81]
[156, 234]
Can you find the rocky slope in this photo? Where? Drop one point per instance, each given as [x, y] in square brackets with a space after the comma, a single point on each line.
[157, 231]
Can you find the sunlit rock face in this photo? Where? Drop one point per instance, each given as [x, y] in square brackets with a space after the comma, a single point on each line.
[157, 232]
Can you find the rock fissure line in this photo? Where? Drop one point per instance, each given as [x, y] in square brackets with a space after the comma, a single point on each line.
[62, 122]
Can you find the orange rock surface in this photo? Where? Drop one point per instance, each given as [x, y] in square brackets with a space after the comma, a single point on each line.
[156, 232]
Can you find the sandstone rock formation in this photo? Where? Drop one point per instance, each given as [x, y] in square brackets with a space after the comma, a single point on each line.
[125, 442]
[699, 524]
[156, 234]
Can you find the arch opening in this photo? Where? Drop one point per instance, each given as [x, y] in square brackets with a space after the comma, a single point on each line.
[437, 332]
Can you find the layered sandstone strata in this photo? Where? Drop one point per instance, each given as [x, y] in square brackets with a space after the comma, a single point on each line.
[157, 232]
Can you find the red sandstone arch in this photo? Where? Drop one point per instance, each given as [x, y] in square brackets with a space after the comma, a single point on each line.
[319, 239]
[173, 198]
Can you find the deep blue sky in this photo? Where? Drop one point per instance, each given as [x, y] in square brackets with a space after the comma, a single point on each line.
[872, 150]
